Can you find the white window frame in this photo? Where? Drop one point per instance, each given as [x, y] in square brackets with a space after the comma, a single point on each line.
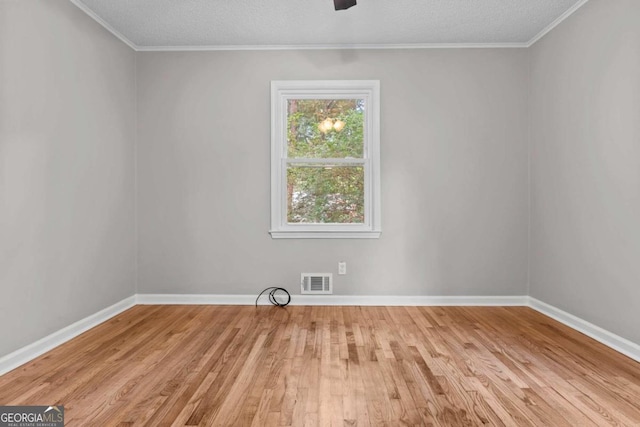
[281, 92]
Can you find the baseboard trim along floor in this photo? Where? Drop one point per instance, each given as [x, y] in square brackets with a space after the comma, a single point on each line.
[616, 342]
[365, 300]
[31, 351]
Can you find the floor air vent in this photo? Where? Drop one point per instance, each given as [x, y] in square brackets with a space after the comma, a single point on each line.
[316, 283]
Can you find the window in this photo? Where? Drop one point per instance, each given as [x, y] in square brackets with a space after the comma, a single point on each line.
[325, 159]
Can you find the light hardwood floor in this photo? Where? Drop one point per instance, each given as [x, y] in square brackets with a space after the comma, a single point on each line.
[321, 366]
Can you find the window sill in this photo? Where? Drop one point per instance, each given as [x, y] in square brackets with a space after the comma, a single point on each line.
[325, 234]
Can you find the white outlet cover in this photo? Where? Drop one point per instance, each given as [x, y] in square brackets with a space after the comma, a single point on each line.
[342, 268]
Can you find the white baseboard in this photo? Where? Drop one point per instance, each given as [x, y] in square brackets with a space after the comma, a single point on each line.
[364, 300]
[194, 299]
[31, 351]
[616, 342]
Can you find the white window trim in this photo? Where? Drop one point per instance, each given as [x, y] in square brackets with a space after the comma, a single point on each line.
[281, 91]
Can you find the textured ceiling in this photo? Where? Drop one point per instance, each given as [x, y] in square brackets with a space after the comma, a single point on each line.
[255, 23]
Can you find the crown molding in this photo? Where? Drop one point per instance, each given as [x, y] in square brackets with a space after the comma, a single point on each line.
[83, 7]
[514, 45]
[332, 47]
[555, 23]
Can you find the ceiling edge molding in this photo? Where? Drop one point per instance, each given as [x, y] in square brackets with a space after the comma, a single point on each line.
[80, 5]
[83, 7]
[557, 22]
[332, 47]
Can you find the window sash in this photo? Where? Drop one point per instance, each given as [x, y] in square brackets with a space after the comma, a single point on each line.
[366, 224]
[281, 92]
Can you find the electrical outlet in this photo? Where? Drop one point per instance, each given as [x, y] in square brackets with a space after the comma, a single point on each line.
[342, 268]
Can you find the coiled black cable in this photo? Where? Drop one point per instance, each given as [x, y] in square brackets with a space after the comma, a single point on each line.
[272, 296]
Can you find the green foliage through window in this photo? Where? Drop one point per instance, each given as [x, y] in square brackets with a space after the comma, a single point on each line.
[306, 139]
[325, 192]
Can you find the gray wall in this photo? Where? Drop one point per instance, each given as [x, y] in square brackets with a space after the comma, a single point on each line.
[585, 121]
[454, 173]
[67, 140]
[455, 130]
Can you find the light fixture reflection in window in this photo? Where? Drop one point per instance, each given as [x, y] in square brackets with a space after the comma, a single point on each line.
[327, 124]
[338, 125]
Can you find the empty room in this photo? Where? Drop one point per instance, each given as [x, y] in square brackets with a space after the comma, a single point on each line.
[319, 213]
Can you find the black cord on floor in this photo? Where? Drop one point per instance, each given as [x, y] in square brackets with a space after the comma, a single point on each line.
[272, 296]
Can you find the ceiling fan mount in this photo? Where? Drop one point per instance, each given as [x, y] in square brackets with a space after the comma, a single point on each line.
[343, 4]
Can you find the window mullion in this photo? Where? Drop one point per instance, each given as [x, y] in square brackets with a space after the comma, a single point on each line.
[321, 161]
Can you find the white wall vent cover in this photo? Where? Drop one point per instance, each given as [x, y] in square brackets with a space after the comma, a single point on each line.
[316, 283]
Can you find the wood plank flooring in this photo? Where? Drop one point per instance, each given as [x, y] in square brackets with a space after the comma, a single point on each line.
[322, 366]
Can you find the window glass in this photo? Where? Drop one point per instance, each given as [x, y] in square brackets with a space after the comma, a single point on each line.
[325, 128]
[322, 193]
